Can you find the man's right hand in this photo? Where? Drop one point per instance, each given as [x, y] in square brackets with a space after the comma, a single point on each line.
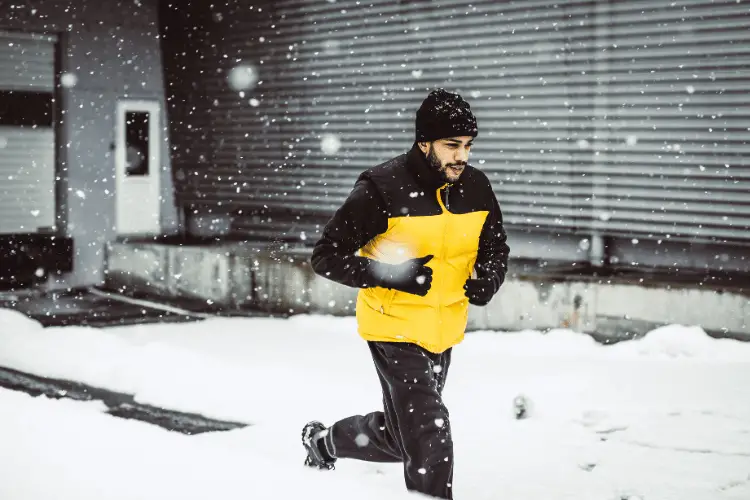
[412, 276]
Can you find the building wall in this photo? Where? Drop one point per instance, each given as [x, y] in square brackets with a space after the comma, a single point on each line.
[612, 131]
[113, 49]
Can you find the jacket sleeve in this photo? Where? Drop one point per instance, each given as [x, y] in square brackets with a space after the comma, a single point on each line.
[362, 217]
[492, 257]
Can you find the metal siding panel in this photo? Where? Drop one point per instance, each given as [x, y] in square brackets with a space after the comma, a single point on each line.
[291, 159]
[246, 121]
[27, 180]
[670, 83]
[26, 62]
[616, 118]
[27, 155]
[359, 73]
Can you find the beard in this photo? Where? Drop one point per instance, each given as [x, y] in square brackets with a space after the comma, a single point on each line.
[441, 169]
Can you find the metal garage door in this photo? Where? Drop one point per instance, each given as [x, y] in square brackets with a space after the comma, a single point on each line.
[27, 140]
[340, 83]
[606, 118]
[667, 154]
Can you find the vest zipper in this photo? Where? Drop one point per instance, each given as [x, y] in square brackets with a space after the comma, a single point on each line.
[442, 256]
[447, 193]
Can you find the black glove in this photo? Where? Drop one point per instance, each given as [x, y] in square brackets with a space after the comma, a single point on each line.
[481, 290]
[411, 276]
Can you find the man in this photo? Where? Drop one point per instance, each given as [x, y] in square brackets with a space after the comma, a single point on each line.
[421, 223]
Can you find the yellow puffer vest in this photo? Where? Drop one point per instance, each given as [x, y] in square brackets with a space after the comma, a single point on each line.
[438, 320]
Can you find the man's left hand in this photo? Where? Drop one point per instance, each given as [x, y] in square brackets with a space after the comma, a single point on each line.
[480, 291]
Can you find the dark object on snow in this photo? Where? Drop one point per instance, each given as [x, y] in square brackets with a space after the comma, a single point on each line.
[444, 114]
[313, 439]
[415, 419]
[520, 407]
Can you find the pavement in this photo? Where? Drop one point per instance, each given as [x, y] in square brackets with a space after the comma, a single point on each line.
[85, 308]
[97, 307]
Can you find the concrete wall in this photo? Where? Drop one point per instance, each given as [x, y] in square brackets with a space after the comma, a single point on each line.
[113, 49]
[267, 278]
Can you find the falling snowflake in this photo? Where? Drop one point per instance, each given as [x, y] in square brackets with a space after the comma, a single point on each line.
[330, 144]
[362, 440]
[68, 80]
[242, 77]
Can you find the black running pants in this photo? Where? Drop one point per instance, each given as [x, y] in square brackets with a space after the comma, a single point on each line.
[414, 427]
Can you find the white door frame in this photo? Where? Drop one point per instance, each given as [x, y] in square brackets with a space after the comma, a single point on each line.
[138, 198]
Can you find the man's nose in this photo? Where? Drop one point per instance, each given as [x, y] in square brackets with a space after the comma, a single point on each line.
[461, 156]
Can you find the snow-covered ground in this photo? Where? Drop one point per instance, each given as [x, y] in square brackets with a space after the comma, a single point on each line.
[665, 417]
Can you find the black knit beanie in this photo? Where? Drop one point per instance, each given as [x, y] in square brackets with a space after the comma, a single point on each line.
[444, 114]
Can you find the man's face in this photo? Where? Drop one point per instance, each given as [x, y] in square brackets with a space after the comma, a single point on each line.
[448, 156]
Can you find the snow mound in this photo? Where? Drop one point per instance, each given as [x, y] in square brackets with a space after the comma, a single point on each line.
[11, 320]
[532, 343]
[83, 354]
[679, 341]
[666, 342]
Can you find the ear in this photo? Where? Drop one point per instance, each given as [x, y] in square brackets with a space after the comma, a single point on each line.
[424, 146]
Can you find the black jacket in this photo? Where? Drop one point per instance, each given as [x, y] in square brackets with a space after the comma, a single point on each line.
[402, 209]
[385, 191]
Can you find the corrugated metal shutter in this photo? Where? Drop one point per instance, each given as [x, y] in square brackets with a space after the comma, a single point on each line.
[345, 97]
[341, 84]
[190, 66]
[27, 180]
[667, 153]
[27, 153]
[610, 118]
[27, 62]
